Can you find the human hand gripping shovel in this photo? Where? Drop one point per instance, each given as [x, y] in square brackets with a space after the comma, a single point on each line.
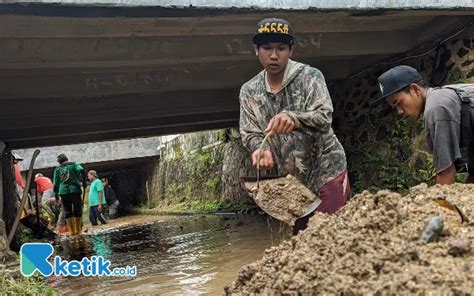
[284, 198]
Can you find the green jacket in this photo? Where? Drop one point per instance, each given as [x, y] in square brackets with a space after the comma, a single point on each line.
[68, 178]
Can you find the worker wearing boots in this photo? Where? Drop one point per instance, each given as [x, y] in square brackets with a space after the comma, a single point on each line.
[68, 178]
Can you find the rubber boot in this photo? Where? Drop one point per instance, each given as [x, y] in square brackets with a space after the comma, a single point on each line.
[70, 222]
[78, 225]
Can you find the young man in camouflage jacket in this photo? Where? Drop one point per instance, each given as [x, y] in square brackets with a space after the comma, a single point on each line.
[291, 101]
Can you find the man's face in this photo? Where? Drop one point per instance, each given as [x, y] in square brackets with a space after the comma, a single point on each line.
[274, 56]
[90, 177]
[408, 104]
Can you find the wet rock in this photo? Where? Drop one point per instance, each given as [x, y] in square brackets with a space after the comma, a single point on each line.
[459, 247]
[247, 272]
[462, 52]
[227, 290]
[432, 229]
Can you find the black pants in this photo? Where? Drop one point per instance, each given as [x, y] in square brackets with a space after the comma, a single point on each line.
[72, 203]
[94, 214]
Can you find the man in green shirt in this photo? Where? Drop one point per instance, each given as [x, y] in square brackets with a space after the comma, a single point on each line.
[67, 180]
[96, 198]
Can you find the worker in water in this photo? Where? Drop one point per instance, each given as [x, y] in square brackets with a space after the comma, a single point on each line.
[96, 198]
[291, 101]
[111, 199]
[46, 197]
[448, 132]
[67, 181]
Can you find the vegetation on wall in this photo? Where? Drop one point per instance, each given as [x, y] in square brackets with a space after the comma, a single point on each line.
[395, 163]
[191, 180]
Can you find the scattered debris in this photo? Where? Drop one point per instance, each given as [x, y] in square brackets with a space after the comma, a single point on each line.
[372, 246]
[443, 201]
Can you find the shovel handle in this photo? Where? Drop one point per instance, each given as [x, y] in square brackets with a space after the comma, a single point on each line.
[24, 197]
[258, 157]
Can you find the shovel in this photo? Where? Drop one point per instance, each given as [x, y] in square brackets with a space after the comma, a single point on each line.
[250, 184]
[287, 210]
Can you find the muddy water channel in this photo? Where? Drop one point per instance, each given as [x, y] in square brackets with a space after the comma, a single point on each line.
[186, 255]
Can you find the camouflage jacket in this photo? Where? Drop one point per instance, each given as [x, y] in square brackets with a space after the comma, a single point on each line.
[312, 152]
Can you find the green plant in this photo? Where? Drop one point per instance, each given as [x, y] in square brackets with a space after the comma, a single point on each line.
[174, 189]
[25, 235]
[221, 135]
[200, 164]
[391, 164]
[20, 285]
[178, 152]
[212, 185]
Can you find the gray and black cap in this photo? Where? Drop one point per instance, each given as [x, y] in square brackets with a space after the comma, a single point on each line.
[274, 30]
[396, 79]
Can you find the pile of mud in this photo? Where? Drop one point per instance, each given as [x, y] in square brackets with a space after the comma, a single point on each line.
[285, 198]
[373, 246]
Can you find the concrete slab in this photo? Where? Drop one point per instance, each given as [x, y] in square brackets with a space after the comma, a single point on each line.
[269, 4]
[110, 151]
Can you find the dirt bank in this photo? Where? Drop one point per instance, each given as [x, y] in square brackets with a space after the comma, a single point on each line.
[373, 246]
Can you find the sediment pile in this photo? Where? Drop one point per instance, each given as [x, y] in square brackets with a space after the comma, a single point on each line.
[374, 245]
[285, 198]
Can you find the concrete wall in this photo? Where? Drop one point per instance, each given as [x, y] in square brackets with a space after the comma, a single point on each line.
[201, 171]
[270, 4]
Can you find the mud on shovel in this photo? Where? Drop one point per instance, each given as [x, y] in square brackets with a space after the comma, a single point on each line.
[287, 186]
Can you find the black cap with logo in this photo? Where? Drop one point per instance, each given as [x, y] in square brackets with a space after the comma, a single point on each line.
[396, 79]
[274, 30]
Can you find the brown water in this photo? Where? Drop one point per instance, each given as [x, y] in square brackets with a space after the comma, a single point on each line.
[178, 256]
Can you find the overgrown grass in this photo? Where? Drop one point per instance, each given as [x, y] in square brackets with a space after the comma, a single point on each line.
[17, 284]
[25, 235]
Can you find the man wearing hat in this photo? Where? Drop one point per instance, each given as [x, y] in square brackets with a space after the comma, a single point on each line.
[447, 133]
[67, 180]
[290, 101]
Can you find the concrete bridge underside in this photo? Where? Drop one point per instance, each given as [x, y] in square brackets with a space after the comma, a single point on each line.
[73, 74]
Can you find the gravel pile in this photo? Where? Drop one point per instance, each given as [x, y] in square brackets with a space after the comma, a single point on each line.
[377, 244]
